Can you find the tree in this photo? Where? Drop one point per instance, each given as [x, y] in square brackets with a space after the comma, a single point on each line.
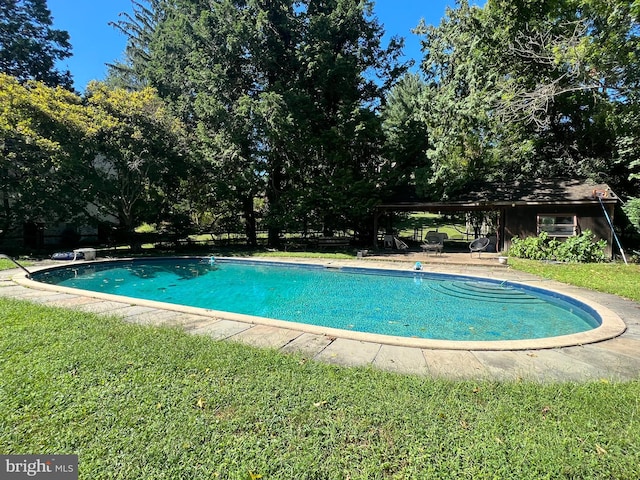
[570, 75]
[133, 163]
[342, 67]
[280, 95]
[139, 28]
[42, 132]
[406, 134]
[196, 55]
[532, 89]
[574, 45]
[29, 46]
[112, 155]
[457, 103]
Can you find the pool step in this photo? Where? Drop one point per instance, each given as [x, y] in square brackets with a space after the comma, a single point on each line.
[486, 292]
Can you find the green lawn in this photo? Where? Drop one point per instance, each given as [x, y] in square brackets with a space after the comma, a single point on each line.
[8, 264]
[616, 278]
[430, 221]
[155, 403]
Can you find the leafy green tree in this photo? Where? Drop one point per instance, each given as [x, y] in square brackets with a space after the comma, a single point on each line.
[42, 131]
[547, 83]
[613, 54]
[133, 163]
[532, 89]
[457, 103]
[113, 155]
[567, 46]
[632, 211]
[29, 45]
[196, 54]
[570, 74]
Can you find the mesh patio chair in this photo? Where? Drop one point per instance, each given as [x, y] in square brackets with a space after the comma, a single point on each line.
[479, 245]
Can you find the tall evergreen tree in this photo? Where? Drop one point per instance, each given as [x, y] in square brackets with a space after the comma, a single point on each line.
[281, 97]
[457, 102]
[406, 134]
[343, 64]
[29, 45]
[139, 28]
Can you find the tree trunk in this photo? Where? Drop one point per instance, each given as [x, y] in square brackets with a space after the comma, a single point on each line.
[6, 224]
[250, 218]
[274, 237]
[274, 189]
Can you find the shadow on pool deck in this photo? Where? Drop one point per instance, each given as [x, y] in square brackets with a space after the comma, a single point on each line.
[617, 359]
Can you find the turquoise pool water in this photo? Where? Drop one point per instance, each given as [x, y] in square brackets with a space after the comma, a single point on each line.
[408, 304]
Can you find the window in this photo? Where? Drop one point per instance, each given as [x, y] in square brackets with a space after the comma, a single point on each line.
[558, 225]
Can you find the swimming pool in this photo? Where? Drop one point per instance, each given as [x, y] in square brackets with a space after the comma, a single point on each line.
[394, 303]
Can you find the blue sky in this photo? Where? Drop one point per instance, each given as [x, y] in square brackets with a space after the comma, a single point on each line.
[95, 43]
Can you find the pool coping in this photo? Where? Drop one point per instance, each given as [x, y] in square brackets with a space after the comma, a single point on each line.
[612, 325]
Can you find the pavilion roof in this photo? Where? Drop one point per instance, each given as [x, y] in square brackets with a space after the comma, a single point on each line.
[489, 195]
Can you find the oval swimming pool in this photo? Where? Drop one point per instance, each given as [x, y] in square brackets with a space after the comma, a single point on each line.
[411, 304]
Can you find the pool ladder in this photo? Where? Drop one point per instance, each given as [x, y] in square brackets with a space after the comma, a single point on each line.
[2, 255]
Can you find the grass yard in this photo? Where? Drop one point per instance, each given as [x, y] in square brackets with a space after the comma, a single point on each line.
[155, 403]
[616, 278]
[8, 264]
[425, 222]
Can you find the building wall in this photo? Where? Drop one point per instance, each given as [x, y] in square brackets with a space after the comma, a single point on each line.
[522, 221]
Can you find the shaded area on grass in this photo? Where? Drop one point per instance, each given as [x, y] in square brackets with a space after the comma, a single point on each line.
[156, 403]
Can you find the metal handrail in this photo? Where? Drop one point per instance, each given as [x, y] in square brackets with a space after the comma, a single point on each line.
[2, 255]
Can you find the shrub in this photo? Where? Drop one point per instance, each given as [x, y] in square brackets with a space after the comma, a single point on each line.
[533, 248]
[632, 210]
[147, 228]
[582, 248]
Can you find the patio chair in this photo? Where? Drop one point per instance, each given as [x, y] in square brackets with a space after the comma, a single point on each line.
[479, 245]
[388, 241]
[400, 245]
[434, 242]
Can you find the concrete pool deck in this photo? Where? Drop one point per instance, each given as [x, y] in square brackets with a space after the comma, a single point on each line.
[616, 359]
